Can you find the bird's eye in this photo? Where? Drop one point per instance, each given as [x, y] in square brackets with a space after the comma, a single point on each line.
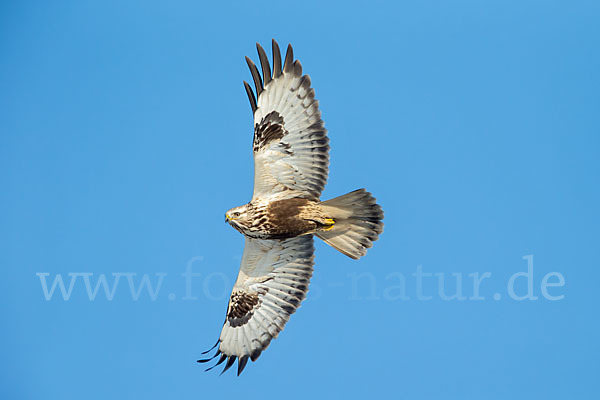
[236, 214]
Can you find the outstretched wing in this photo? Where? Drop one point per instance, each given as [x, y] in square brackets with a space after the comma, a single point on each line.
[273, 280]
[290, 146]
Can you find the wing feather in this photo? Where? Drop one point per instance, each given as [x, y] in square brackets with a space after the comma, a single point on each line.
[264, 63]
[289, 59]
[255, 76]
[251, 97]
[276, 60]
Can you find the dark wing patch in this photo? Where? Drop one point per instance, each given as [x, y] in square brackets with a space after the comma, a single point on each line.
[269, 129]
[241, 306]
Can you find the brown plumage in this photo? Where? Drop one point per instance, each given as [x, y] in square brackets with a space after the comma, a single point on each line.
[241, 305]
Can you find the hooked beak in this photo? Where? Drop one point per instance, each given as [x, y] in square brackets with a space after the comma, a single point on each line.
[227, 218]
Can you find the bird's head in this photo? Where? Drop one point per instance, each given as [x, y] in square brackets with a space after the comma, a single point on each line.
[237, 216]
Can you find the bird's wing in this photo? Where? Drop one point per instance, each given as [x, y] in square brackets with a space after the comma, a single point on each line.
[291, 148]
[273, 280]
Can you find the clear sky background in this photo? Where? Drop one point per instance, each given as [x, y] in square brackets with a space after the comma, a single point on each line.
[126, 134]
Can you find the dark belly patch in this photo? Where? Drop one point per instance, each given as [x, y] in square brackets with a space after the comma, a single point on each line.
[284, 217]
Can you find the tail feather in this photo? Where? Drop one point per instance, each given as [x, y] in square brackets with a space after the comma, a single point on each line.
[358, 223]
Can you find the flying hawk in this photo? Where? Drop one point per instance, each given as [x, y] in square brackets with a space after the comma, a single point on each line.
[290, 171]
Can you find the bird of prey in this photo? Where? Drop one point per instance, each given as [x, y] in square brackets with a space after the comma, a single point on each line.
[290, 171]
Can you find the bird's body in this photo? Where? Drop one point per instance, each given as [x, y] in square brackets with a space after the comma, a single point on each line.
[279, 219]
[291, 164]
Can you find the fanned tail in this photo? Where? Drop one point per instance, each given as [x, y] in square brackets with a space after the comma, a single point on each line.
[358, 223]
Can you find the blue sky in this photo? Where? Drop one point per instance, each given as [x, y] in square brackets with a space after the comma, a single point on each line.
[126, 136]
